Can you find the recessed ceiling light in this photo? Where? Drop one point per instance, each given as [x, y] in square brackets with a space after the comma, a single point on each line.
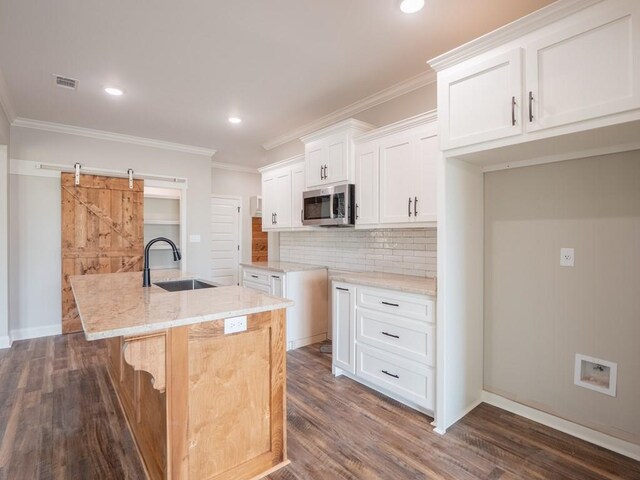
[411, 6]
[113, 91]
[235, 120]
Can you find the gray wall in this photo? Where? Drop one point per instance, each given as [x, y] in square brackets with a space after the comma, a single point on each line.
[4, 230]
[538, 315]
[35, 212]
[244, 184]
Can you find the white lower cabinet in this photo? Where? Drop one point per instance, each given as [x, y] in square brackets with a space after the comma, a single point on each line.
[386, 340]
[307, 318]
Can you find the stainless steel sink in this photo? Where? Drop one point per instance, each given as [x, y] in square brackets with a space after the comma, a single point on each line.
[181, 285]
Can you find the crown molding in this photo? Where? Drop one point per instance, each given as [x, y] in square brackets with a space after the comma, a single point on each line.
[411, 122]
[287, 162]
[114, 137]
[5, 101]
[510, 32]
[350, 125]
[233, 168]
[401, 88]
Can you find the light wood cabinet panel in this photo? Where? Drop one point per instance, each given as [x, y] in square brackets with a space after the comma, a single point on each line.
[561, 78]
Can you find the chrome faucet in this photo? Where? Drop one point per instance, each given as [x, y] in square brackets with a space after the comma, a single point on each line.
[146, 273]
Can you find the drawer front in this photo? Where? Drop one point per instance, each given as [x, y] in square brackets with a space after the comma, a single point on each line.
[417, 307]
[412, 339]
[255, 276]
[411, 380]
[256, 286]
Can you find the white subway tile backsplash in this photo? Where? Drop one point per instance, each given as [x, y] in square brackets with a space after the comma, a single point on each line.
[404, 251]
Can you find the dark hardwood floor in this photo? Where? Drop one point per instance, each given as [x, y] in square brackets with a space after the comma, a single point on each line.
[59, 419]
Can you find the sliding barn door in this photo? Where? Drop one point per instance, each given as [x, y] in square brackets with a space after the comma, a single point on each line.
[102, 232]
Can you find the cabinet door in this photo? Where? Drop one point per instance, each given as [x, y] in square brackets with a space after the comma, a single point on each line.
[367, 185]
[587, 70]
[336, 168]
[268, 201]
[315, 160]
[481, 102]
[282, 195]
[276, 285]
[427, 153]
[297, 188]
[397, 171]
[344, 327]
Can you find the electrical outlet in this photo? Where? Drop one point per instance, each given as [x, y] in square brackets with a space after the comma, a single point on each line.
[235, 324]
[567, 257]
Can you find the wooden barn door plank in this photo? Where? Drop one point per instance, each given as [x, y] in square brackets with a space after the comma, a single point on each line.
[102, 232]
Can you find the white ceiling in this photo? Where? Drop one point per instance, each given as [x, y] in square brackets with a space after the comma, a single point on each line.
[187, 65]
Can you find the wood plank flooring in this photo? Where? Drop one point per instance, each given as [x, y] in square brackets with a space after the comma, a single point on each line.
[59, 419]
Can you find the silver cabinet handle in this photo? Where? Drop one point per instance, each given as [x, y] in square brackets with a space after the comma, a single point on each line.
[415, 206]
[513, 111]
[409, 206]
[325, 172]
[530, 106]
[321, 172]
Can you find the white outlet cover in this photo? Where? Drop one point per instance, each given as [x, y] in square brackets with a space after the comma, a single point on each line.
[194, 238]
[567, 257]
[235, 324]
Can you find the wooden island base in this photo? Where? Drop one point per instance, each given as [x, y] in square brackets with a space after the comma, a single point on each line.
[202, 404]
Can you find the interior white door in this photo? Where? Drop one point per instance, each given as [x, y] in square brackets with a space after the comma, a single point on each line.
[225, 240]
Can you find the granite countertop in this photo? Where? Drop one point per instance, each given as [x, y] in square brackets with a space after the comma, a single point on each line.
[391, 281]
[116, 304]
[283, 267]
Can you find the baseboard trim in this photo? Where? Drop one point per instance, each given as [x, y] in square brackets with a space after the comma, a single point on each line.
[603, 440]
[5, 342]
[303, 342]
[35, 332]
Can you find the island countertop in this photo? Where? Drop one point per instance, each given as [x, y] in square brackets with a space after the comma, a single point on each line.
[116, 304]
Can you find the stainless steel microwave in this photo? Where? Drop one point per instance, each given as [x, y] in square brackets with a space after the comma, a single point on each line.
[330, 206]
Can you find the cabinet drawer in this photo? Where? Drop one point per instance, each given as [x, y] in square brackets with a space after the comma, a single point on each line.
[255, 276]
[256, 286]
[410, 380]
[416, 307]
[408, 338]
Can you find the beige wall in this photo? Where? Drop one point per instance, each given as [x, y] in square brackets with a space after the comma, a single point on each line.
[241, 184]
[538, 315]
[4, 230]
[413, 103]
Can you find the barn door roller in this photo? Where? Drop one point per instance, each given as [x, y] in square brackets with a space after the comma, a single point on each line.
[77, 167]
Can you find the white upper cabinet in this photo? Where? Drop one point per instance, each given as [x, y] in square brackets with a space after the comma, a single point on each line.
[297, 187]
[482, 101]
[396, 174]
[329, 153]
[398, 168]
[367, 183]
[569, 68]
[279, 184]
[562, 84]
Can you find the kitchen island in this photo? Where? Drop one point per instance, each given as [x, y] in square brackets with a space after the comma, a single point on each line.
[200, 374]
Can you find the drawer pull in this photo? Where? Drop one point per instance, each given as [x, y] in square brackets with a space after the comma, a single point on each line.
[390, 374]
[343, 289]
[391, 304]
[390, 335]
[254, 276]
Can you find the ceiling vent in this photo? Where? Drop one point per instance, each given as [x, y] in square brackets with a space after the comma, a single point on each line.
[66, 82]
